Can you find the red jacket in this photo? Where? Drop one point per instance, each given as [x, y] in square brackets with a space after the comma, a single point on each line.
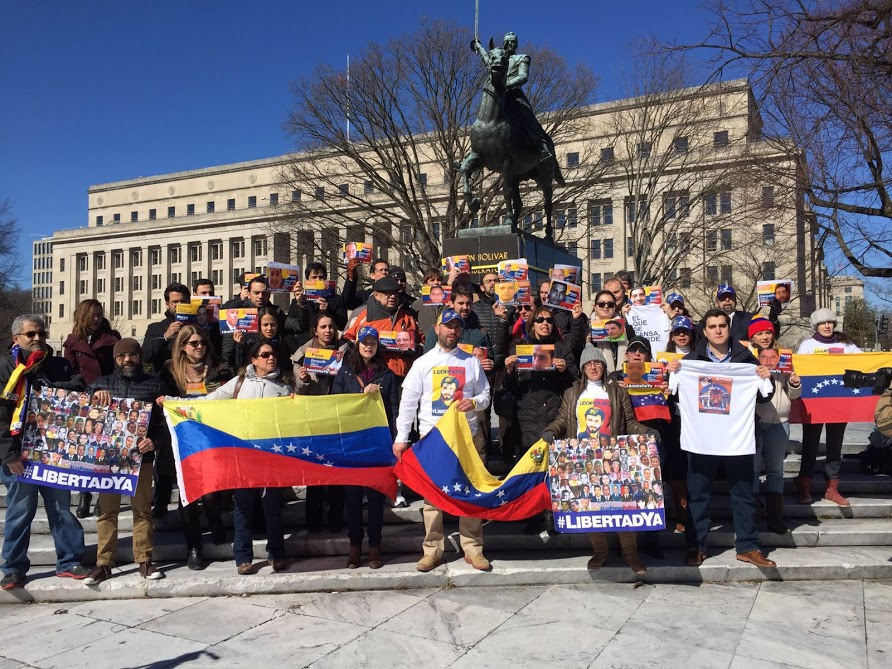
[96, 358]
[398, 363]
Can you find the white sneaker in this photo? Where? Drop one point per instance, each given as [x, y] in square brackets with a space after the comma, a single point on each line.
[400, 502]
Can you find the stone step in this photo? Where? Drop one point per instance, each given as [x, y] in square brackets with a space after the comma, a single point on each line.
[509, 569]
[406, 538]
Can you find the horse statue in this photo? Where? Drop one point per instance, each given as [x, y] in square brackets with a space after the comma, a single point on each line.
[507, 138]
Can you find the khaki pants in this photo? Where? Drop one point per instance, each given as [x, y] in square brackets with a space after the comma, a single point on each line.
[470, 529]
[143, 525]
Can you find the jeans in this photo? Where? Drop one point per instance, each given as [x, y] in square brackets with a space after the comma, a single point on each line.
[702, 470]
[811, 439]
[21, 505]
[243, 520]
[355, 495]
[771, 449]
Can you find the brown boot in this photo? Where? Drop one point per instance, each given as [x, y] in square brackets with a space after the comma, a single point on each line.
[354, 557]
[803, 489]
[775, 504]
[600, 550]
[375, 561]
[628, 542]
[832, 493]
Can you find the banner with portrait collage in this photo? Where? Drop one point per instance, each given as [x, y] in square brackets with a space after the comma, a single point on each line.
[70, 444]
[613, 484]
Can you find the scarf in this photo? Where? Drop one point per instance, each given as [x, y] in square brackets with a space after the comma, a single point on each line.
[19, 386]
[832, 339]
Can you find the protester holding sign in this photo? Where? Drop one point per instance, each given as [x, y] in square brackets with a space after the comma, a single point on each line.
[612, 400]
[30, 365]
[606, 309]
[194, 371]
[364, 371]
[268, 331]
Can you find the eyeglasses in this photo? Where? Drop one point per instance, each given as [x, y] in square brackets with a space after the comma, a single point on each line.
[543, 319]
[267, 354]
[606, 305]
[31, 334]
[197, 343]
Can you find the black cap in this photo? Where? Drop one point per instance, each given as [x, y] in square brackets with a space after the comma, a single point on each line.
[385, 285]
[398, 273]
[639, 341]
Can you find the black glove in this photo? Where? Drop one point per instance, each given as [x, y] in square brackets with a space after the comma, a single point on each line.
[548, 437]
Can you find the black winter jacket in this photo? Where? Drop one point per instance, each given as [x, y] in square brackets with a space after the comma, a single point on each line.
[346, 381]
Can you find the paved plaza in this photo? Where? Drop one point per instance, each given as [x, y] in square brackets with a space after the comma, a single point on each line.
[812, 624]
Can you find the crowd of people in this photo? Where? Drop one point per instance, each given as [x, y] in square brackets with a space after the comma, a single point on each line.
[472, 336]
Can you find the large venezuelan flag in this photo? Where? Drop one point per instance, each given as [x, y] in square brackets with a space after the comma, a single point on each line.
[824, 397]
[282, 442]
[445, 468]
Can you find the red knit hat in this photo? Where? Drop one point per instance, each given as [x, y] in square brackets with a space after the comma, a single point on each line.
[760, 324]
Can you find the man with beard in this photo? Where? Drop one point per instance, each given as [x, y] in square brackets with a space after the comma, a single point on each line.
[129, 380]
[28, 365]
[159, 337]
[415, 403]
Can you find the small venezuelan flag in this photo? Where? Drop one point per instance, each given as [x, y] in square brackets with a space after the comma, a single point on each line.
[282, 442]
[446, 470]
[824, 397]
[649, 404]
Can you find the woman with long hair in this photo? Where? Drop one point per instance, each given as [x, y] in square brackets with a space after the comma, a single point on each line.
[365, 371]
[267, 332]
[88, 349]
[195, 371]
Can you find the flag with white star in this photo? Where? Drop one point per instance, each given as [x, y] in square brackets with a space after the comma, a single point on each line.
[825, 398]
[281, 442]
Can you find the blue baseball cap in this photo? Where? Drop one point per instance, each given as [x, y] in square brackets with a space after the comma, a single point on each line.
[367, 331]
[672, 298]
[450, 315]
[725, 289]
[681, 323]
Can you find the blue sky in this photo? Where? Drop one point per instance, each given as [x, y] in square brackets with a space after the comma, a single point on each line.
[101, 91]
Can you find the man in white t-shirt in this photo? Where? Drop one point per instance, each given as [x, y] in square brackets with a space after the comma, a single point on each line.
[714, 398]
[445, 366]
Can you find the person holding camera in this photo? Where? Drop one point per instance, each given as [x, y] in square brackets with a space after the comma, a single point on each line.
[826, 340]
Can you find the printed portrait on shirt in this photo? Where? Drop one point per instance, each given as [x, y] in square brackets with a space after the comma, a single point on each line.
[447, 384]
[714, 394]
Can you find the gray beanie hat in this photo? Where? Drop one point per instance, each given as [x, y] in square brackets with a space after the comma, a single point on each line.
[590, 353]
[821, 316]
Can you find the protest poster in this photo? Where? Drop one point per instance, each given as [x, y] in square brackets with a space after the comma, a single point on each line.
[238, 319]
[402, 341]
[460, 263]
[280, 277]
[202, 310]
[568, 273]
[642, 295]
[535, 357]
[249, 276]
[778, 360]
[644, 374]
[361, 251]
[665, 356]
[613, 329]
[612, 484]
[563, 295]
[186, 312]
[435, 296]
[322, 361]
[652, 323]
[781, 290]
[71, 444]
[479, 352]
[513, 293]
[319, 289]
[644, 381]
[513, 270]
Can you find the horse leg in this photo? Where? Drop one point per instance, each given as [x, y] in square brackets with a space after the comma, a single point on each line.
[469, 165]
[516, 205]
[507, 193]
[548, 199]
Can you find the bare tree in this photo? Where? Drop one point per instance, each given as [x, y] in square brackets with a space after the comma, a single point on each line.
[859, 321]
[823, 69]
[376, 153]
[10, 262]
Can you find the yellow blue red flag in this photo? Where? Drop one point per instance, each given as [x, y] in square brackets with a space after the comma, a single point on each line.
[445, 468]
[281, 442]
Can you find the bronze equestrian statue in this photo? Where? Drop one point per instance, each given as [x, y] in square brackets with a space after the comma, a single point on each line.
[506, 137]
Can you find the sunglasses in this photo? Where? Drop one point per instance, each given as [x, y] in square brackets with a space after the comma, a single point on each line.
[525, 307]
[197, 343]
[544, 319]
[606, 305]
[636, 349]
[31, 334]
[680, 332]
[267, 354]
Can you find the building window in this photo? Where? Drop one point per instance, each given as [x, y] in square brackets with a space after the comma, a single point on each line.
[573, 159]
[368, 188]
[671, 242]
[712, 240]
[320, 192]
[636, 209]
[118, 308]
[595, 251]
[195, 252]
[252, 201]
[838, 307]
[727, 274]
[422, 179]
[642, 150]
[571, 217]
[82, 287]
[209, 207]
[685, 277]
[136, 309]
[176, 277]
[608, 248]
[295, 196]
[720, 139]
[677, 205]
[630, 246]
[718, 203]
[595, 282]
[260, 246]
[217, 277]
[136, 259]
[153, 214]
[137, 283]
[190, 210]
[61, 288]
[119, 284]
[768, 234]
[100, 286]
[726, 239]
[156, 282]
[175, 255]
[607, 154]
[134, 217]
[767, 197]
[273, 199]
[725, 202]
[61, 311]
[194, 277]
[680, 145]
[117, 218]
[61, 264]
[156, 306]
[768, 271]
[171, 212]
[82, 263]
[712, 275]
[156, 257]
[216, 250]
[230, 204]
[237, 274]
[118, 259]
[344, 189]
[600, 213]
[238, 248]
[99, 220]
[561, 219]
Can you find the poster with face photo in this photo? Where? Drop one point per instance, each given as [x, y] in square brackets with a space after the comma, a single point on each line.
[781, 290]
[614, 484]
[70, 444]
[280, 277]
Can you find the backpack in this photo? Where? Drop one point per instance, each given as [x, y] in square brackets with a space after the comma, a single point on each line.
[877, 457]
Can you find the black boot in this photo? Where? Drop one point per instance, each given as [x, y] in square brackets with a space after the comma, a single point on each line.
[83, 505]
